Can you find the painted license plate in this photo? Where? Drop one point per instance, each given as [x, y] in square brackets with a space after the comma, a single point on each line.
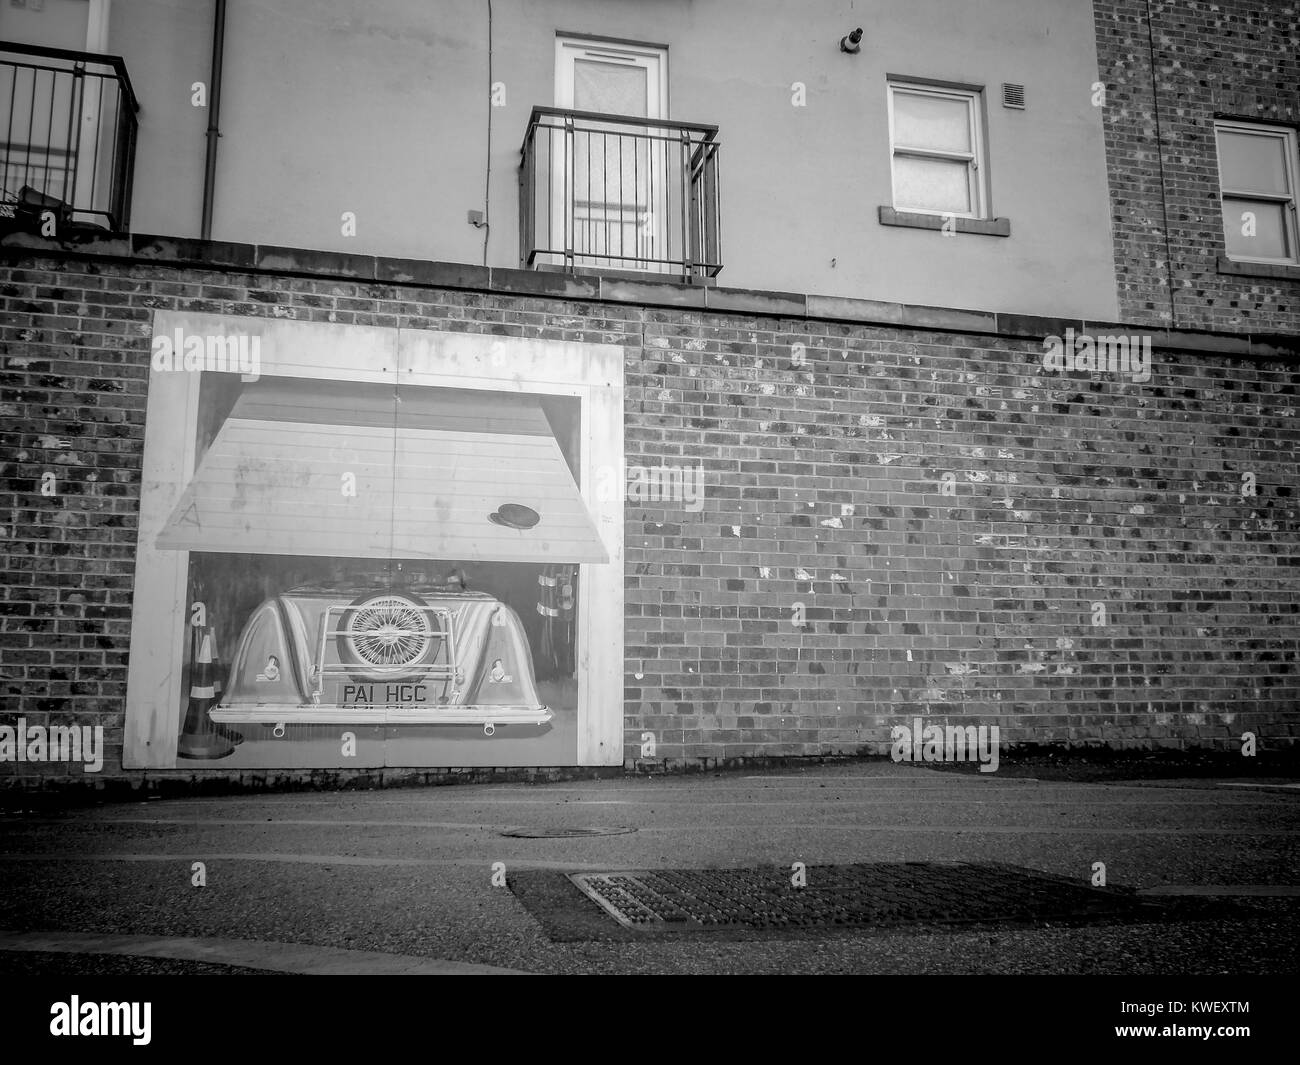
[384, 695]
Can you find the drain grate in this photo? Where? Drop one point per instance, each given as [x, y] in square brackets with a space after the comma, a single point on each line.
[848, 896]
[566, 833]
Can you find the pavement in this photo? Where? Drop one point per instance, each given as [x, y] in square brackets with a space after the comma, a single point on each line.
[401, 880]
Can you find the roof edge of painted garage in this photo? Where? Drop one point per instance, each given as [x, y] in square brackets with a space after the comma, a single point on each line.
[641, 292]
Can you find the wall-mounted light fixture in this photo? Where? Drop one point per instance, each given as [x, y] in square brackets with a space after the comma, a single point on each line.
[852, 43]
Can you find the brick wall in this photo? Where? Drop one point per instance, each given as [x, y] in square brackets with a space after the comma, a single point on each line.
[826, 495]
[1232, 58]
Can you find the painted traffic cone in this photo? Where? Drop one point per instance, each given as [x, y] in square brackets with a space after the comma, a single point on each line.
[218, 686]
[199, 737]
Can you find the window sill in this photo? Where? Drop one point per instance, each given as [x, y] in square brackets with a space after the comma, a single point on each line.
[989, 227]
[1244, 269]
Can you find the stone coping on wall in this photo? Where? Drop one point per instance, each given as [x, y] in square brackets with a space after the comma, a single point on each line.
[650, 292]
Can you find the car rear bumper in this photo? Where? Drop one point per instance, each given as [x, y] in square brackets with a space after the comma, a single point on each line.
[295, 714]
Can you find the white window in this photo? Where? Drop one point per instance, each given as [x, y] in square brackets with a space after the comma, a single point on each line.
[1257, 179]
[611, 77]
[936, 143]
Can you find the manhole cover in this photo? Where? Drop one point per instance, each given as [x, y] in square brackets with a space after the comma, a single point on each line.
[847, 896]
[566, 833]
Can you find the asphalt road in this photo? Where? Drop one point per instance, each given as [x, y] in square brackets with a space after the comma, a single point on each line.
[408, 872]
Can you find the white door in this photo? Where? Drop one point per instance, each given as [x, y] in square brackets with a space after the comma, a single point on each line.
[611, 180]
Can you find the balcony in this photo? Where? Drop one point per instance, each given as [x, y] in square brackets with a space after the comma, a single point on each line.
[611, 192]
[67, 139]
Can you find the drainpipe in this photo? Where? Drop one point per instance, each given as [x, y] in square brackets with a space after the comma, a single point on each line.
[214, 116]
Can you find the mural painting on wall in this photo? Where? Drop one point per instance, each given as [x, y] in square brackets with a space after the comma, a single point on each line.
[379, 575]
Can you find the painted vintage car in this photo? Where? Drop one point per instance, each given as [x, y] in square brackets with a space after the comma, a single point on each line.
[392, 656]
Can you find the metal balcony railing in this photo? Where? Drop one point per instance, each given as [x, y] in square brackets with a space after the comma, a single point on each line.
[600, 191]
[67, 138]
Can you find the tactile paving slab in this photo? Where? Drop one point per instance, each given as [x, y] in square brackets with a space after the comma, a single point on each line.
[871, 895]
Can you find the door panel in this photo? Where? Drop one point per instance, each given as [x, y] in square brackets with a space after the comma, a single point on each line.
[610, 182]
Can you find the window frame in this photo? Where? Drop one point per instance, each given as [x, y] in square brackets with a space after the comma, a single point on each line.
[1290, 210]
[653, 58]
[975, 159]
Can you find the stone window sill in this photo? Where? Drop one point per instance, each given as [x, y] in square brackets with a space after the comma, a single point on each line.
[1274, 270]
[989, 227]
